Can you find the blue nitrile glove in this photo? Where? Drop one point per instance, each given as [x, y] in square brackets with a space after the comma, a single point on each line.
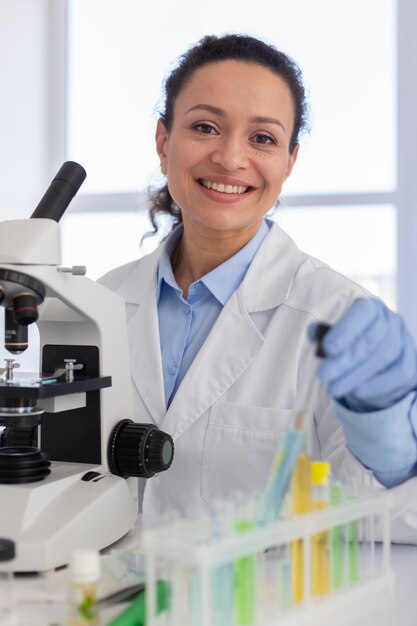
[370, 361]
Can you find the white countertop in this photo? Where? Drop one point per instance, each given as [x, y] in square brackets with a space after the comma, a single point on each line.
[41, 599]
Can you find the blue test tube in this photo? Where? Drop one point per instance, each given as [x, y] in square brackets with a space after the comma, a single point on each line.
[280, 476]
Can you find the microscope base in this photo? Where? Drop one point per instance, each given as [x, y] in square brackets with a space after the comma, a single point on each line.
[63, 512]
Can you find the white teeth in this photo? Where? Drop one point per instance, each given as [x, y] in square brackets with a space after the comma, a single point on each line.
[223, 188]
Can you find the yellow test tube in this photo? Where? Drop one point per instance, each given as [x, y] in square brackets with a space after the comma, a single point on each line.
[301, 504]
[320, 471]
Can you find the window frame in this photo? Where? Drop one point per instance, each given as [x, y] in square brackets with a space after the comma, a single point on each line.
[402, 197]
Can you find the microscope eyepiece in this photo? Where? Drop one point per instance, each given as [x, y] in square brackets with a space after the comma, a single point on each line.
[61, 191]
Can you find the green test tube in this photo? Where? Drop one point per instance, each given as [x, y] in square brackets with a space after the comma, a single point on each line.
[245, 582]
[352, 540]
[336, 543]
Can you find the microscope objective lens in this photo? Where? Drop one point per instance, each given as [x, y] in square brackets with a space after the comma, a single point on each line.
[15, 335]
[25, 309]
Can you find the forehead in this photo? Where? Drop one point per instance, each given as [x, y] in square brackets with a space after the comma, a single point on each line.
[238, 86]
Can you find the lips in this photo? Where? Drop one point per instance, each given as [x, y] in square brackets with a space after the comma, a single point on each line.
[224, 187]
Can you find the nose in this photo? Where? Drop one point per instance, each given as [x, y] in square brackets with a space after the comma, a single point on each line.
[231, 153]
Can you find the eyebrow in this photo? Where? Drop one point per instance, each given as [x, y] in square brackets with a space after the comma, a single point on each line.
[258, 119]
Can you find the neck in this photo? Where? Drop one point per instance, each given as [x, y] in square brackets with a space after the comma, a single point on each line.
[200, 253]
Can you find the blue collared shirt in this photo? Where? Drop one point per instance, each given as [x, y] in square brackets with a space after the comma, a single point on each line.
[184, 324]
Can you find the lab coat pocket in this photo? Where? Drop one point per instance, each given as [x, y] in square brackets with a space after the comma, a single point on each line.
[240, 444]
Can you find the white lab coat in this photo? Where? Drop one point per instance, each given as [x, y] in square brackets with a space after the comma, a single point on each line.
[247, 381]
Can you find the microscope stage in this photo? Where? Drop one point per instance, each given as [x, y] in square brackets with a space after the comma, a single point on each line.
[24, 388]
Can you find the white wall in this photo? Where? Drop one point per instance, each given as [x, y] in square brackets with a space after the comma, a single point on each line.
[24, 68]
[407, 164]
[25, 159]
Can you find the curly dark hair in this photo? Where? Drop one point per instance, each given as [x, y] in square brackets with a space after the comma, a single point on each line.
[211, 49]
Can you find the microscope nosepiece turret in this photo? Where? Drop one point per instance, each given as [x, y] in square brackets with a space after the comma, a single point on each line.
[20, 295]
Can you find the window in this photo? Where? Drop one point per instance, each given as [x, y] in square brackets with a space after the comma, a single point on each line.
[345, 177]
[342, 236]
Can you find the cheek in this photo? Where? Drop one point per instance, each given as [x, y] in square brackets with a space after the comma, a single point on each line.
[179, 162]
[178, 175]
[274, 177]
[281, 171]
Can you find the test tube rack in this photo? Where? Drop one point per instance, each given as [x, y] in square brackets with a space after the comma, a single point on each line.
[188, 557]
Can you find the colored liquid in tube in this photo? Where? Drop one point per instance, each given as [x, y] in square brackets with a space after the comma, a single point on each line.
[336, 543]
[321, 540]
[245, 582]
[301, 504]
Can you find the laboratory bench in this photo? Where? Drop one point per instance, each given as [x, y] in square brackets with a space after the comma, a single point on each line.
[41, 599]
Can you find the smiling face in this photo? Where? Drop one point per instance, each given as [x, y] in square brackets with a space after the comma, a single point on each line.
[227, 153]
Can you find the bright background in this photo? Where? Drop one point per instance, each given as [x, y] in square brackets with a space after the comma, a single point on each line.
[82, 80]
[117, 58]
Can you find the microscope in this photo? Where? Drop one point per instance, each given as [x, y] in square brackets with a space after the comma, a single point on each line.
[69, 451]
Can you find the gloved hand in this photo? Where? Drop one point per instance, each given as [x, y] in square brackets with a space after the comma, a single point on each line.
[370, 361]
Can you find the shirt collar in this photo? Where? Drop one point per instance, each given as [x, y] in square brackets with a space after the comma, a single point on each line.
[164, 267]
[224, 279]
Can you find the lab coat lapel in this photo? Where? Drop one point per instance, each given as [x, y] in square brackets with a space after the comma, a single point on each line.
[235, 340]
[231, 346]
[145, 357]
[139, 291]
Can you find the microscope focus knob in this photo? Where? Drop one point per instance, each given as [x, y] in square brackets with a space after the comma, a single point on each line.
[140, 450]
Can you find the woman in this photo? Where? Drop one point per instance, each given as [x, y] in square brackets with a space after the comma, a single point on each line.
[218, 316]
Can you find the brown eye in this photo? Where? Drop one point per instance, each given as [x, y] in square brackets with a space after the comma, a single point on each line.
[207, 129]
[263, 139]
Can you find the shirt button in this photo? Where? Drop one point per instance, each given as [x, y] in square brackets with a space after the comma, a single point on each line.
[172, 370]
[187, 310]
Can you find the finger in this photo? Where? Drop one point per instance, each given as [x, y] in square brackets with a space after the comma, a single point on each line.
[361, 315]
[395, 382]
[382, 359]
[363, 347]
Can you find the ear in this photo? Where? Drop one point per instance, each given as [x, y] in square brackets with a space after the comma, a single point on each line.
[292, 160]
[161, 141]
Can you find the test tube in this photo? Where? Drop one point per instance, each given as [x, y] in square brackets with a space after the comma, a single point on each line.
[222, 580]
[268, 582]
[301, 504]
[285, 580]
[336, 543]
[245, 581]
[320, 541]
[245, 569]
[282, 468]
[197, 530]
[352, 537]
[370, 538]
[177, 576]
